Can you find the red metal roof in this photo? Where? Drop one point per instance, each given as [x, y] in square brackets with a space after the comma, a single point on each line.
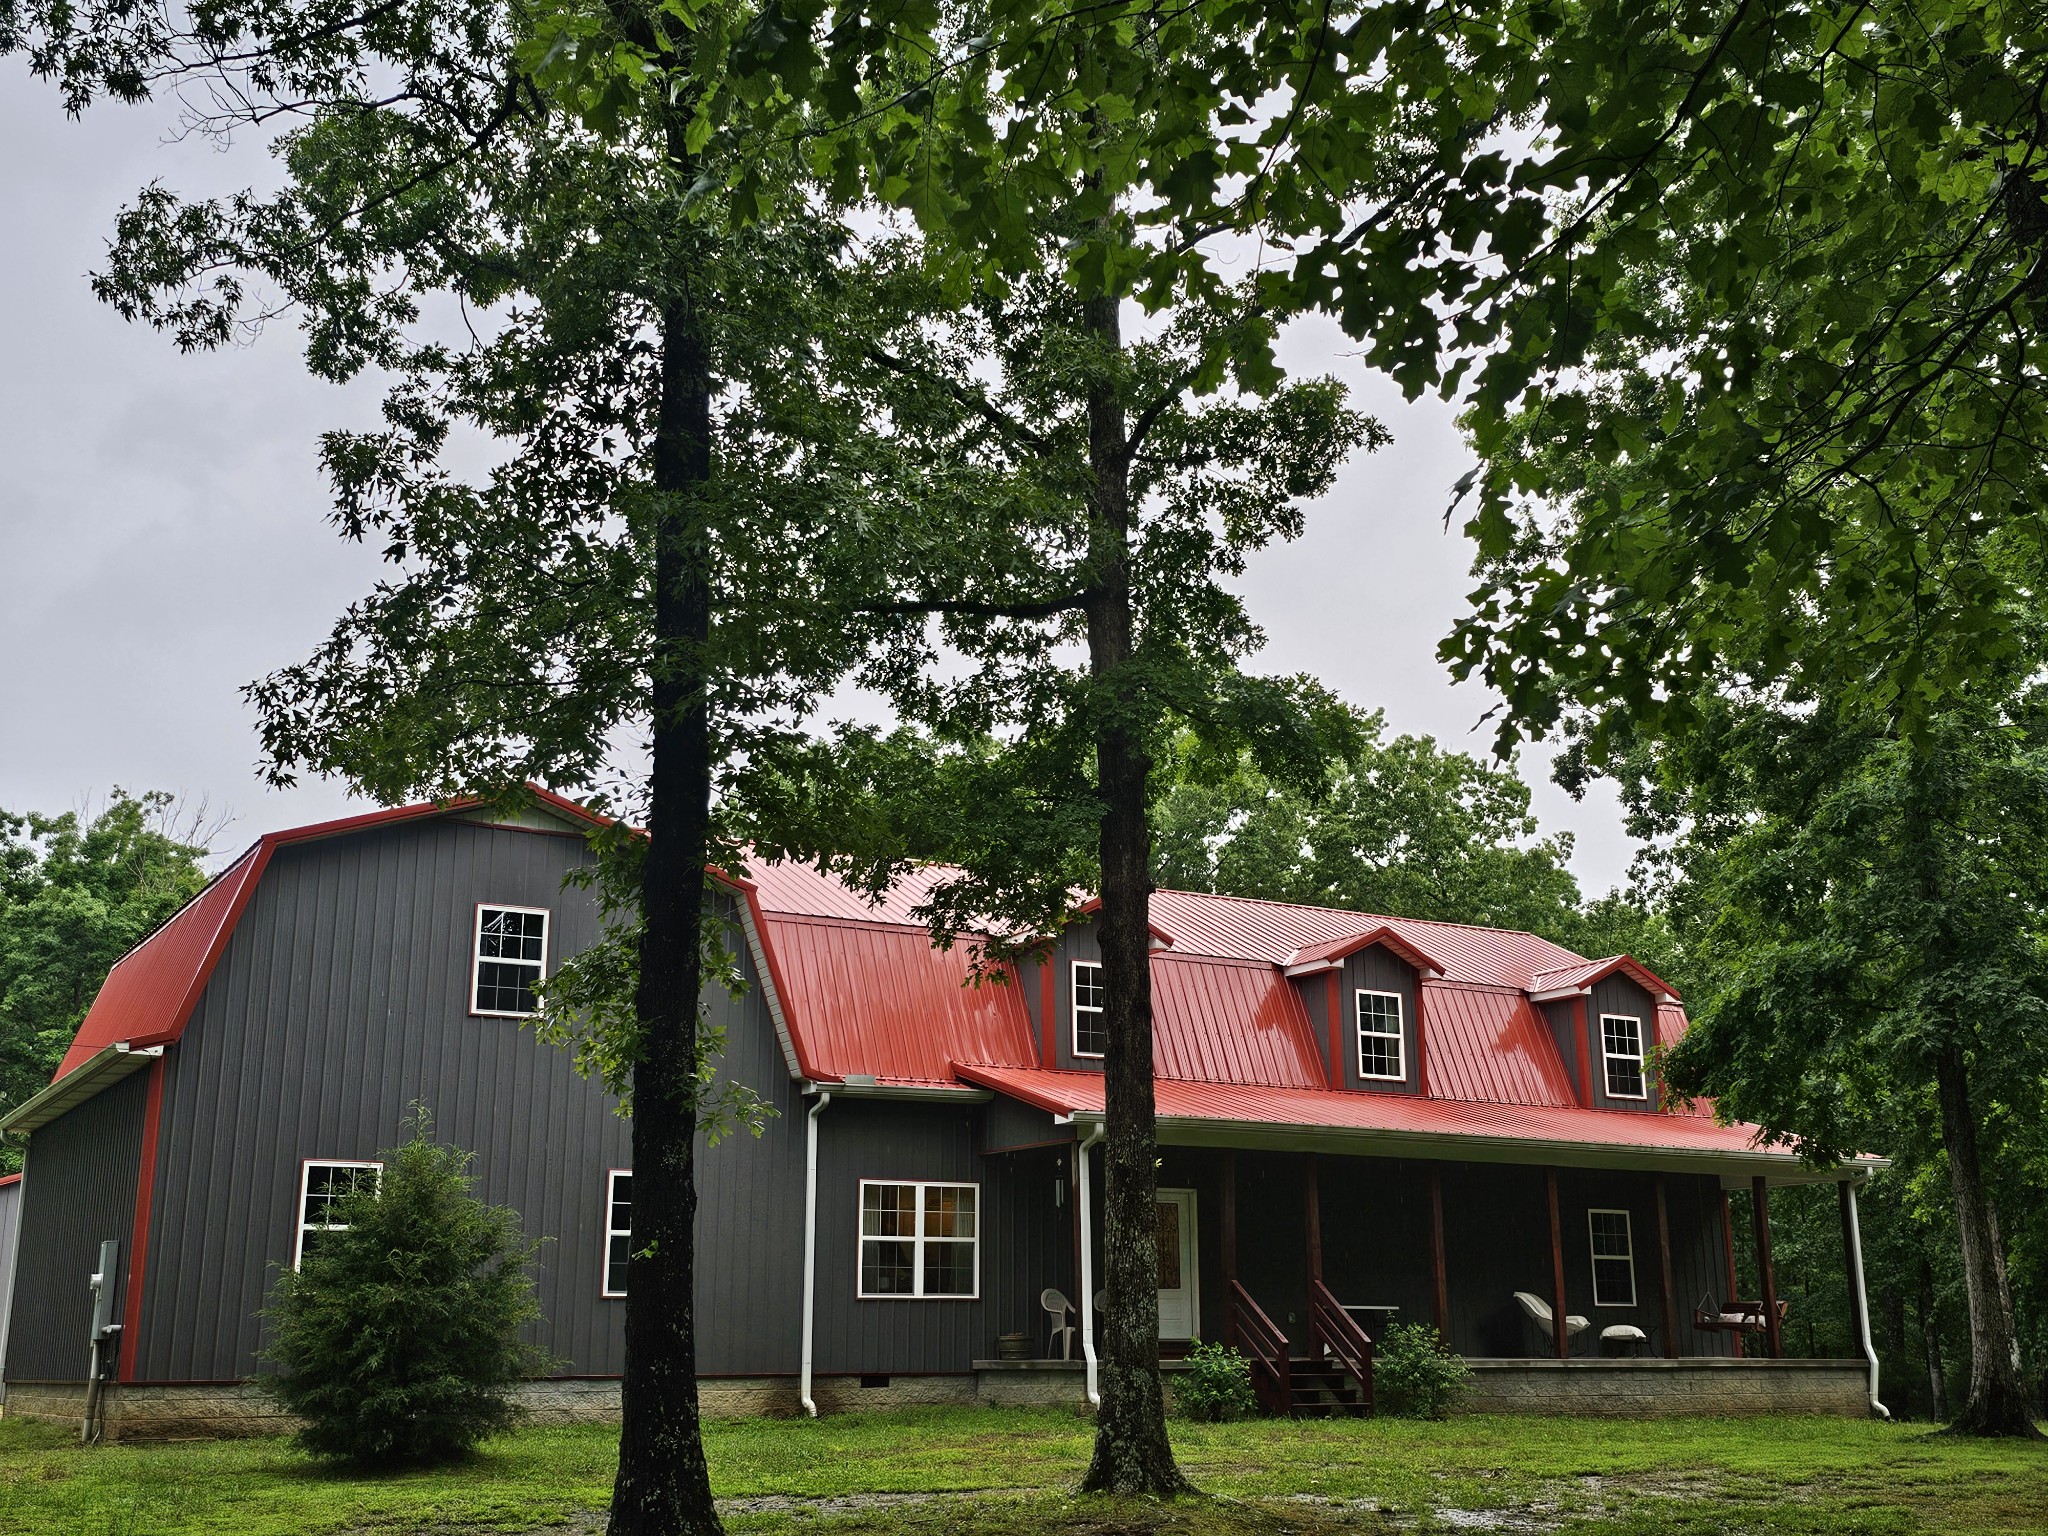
[1228, 1021]
[150, 993]
[801, 891]
[1238, 928]
[1392, 1113]
[877, 998]
[1490, 1046]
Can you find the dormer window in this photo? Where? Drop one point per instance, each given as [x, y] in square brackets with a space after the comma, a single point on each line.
[511, 955]
[1621, 1043]
[1091, 1004]
[1380, 1054]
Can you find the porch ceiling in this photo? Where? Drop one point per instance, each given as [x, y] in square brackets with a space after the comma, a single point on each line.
[1402, 1125]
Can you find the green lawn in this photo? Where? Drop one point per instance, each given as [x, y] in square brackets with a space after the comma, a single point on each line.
[1008, 1472]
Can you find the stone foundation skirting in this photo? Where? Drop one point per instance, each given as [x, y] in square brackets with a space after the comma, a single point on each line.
[1611, 1388]
[1636, 1389]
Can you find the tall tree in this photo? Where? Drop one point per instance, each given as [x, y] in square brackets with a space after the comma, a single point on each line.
[1865, 911]
[76, 893]
[1096, 493]
[624, 594]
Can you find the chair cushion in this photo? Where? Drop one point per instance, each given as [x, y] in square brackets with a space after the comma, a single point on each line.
[1623, 1331]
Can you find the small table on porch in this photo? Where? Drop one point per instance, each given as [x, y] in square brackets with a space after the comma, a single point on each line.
[1366, 1314]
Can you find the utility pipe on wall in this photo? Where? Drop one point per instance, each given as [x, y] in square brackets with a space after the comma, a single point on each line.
[1088, 1268]
[811, 1245]
[1862, 1299]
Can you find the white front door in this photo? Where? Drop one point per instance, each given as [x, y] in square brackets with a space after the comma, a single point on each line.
[1179, 1303]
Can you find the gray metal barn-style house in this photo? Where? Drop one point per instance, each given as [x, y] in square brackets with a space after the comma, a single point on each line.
[1362, 1119]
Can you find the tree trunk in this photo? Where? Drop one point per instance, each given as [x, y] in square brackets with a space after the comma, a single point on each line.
[1996, 1402]
[1930, 1343]
[663, 1486]
[1132, 1453]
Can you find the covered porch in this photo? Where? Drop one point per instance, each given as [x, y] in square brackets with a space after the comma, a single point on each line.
[1603, 1284]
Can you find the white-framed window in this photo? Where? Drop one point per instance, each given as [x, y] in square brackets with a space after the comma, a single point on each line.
[1614, 1258]
[618, 1229]
[1380, 1054]
[511, 955]
[1621, 1046]
[1091, 1009]
[323, 1182]
[920, 1239]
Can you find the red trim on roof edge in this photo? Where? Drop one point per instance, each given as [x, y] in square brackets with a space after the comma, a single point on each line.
[145, 1198]
[9, 1178]
[1336, 951]
[1093, 905]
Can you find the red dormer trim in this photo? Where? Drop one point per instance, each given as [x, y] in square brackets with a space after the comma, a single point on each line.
[1161, 939]
[1554, 986]
[1332, 953]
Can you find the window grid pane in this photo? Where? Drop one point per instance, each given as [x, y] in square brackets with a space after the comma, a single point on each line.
[511, 948]
[1621, 1038]
[919, 1239]
[1379, 1035]
[325, 1185]
[1614, 1270]
[1091, 999]
[618, 1234]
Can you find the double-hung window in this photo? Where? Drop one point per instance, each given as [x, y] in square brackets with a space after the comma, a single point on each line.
[511, 955]
[919, 1239]
[322, 1185]
[1621, 1045]
[1091, 1010]
[1614, 1259]
[1380, 1055]
[618, 1229]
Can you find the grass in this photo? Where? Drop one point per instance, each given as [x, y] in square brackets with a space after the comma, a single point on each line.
[967, 1472]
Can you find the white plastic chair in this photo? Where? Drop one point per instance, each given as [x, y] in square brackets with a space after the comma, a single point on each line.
[1539, 1313]
[1055, 1301]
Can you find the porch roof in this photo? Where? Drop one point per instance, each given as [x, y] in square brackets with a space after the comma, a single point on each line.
[1404, 1125]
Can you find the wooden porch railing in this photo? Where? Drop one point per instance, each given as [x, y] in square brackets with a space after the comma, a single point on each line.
[1339, 1337]
[1255, 1334]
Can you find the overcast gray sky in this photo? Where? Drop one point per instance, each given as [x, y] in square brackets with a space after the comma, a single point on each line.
[163, 536]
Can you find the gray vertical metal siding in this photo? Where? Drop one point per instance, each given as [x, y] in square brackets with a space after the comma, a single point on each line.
[10, 1224]
[1023, 1246]
[81, 1191]
[1076, 943]
[1377, 969]
[1564, 1029]
[750, 1205]
[341, 1000]
[1618, 994]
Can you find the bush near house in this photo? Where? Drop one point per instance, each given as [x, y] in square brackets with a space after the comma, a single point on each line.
[396, 1340]
[1216, 1386]
[1414, 1376]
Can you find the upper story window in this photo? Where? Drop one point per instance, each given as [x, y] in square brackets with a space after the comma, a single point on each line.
[511, 955]
[618, 1229]
[321, 1185]
[1091, 1004]
[919, 1239]
[1380, 1053]
[1621, 1044]
[1614, 1259]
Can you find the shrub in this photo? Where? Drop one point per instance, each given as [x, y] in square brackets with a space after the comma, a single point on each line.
[397, 1339]
[1414, 1376]
[1216, 1387]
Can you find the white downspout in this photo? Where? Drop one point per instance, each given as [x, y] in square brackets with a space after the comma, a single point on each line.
[811, 1245]
[1088, 1270]
[1863, 1300]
